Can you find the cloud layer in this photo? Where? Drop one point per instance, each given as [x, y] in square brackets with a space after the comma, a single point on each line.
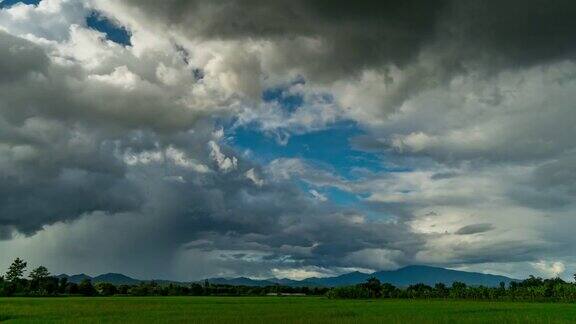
[120, 157]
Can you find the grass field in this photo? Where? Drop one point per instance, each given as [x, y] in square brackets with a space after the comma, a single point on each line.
[276, 310]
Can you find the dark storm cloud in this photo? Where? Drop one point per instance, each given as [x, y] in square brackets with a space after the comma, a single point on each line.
[354, 35]
[27, 206]
[110, 146]
[351, 35]
[520, 32]
[62, 160]
[33, 86]
[231, 212]
[247, 227]
[60, 144]
[551, 185]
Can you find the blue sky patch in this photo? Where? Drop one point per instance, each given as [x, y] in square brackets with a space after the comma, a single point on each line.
[115, 33]
[329, 147]
[341, 197]
[10, 3]
[284, 98]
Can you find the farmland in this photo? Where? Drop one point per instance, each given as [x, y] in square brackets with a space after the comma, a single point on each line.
[276, 310]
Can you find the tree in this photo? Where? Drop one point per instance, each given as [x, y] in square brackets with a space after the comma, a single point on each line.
[458, 290]
[63, 282]
[39, 273]
[16, 270]
[71, 288]
[85, 288]
[389, 290]
[106, 289]
[419, 290]
[374, 286]
[441, 290]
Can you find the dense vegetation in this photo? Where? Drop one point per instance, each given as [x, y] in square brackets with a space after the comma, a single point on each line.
[531, 289]
[40, 283]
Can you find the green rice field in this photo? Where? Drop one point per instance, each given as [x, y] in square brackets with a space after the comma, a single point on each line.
[275, 310]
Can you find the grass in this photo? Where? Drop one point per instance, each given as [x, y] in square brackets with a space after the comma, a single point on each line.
[275, 310]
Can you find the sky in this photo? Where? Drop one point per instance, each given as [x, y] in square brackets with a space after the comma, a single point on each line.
[191, 139]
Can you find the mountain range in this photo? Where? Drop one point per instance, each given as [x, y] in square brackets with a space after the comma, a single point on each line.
[402, 277]
[113, 278]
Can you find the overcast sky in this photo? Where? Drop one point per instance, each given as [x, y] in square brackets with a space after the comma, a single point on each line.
[292, 138]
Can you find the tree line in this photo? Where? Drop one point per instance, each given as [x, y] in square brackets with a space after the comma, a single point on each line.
[531, 289]
[41, 283]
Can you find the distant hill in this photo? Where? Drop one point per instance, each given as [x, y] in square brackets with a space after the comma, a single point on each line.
[74, 278]
[241, 281]
[431, 275]
[116, 278]
[113, 278]
[402, 277]
[351, 278]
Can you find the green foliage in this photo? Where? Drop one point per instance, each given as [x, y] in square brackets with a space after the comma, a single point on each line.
[531, 289]
[39, 273]
[373, 286]
[86, 288]
[106, 289]
[42, 284]
[146, 289]
[16, 270]
[349, 292]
